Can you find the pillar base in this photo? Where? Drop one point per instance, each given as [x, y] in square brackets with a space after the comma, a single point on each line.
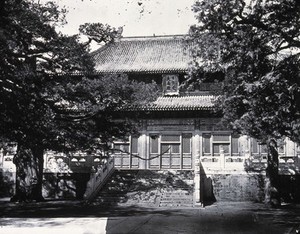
[198, 205]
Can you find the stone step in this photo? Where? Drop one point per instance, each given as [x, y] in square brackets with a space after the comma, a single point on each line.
[105, 195]
[176, 205]
[147, 188]
[176, 190]
[113, 190]
[176, 194]
[176, 199]
[111, 199]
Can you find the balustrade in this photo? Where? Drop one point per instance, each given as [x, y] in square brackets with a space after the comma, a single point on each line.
[249, 163]
[99, 176]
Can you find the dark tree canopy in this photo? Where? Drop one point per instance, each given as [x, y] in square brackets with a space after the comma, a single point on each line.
[41, 68]
[256, 45]
[50, 95]
[31, 50]
[87, 115]
[100, 32]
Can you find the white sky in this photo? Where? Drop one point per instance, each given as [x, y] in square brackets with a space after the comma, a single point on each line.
[138, 17]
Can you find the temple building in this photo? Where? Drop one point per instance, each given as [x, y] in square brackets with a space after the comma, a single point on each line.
[180, 125]
[179, 132]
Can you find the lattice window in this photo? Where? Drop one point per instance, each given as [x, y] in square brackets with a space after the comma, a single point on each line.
[215, 143]
[126, 146]
[125, 152]
[173, 150]
[206, 144]
[170, 138]
[186, 143]
[176, 148]
[234, 145]
[258, 148]
[221, 137]
[134, 145]
[218, 147]
[165, 148]
[154, 144]
[121, 147]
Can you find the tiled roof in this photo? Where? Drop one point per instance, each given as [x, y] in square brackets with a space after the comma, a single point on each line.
[179, 103]
[161, 54]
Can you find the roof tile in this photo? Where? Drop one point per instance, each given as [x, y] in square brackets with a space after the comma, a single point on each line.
[172, 103]
[143, 54]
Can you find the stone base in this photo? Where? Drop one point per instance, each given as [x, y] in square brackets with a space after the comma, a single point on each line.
[227, 187]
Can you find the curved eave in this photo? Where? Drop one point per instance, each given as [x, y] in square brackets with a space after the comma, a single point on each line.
[110, 72]
[162, 71]
[158, 109]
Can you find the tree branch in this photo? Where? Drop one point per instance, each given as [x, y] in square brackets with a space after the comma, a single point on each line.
[261, 25]
[137, 155]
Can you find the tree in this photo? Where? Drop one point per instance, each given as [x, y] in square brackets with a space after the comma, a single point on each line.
[50, 97]
[256, 46]
[86, 108]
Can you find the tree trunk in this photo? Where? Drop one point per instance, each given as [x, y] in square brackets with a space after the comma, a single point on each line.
[29, 174]
[272, 189]
[38, 154]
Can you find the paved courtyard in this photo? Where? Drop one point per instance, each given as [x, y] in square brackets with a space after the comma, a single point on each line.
[76, 218]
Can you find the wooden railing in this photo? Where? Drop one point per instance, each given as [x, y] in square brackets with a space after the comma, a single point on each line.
[98, 178]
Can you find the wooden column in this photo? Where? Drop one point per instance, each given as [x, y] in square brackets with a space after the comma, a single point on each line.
[197, 181]
[142, 144]
[143, 150]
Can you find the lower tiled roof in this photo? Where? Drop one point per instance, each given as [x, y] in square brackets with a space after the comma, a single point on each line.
[178, 103]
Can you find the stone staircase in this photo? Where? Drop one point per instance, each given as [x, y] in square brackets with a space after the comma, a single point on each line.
[115, 191]
[177, 198]
[147, 188]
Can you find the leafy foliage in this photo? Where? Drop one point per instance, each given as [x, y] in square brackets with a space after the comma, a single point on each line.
[36, 87]
[31, 49]
[43, 106]
[85, 108]
[256, 45]
[100, 32]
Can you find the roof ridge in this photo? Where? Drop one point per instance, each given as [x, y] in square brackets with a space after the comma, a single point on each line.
[189, 96]
[154, 37]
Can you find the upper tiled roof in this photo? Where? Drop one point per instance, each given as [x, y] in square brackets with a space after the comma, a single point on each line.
[179, 103]
[155, 54]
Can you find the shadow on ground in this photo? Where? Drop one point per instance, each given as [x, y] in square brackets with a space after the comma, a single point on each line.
[57, 209]
[221, 217]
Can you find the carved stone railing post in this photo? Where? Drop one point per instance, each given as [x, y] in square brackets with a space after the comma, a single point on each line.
[247, 154]
[222, 158]
[197, 181]
[98, 179]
